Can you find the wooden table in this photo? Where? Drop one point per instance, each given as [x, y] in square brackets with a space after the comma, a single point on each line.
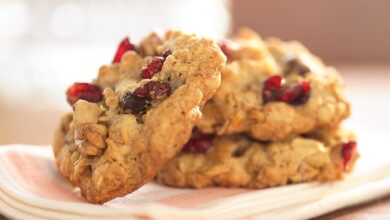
[368, 88]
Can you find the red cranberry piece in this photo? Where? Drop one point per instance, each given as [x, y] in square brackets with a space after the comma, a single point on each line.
[85, 91]
[273, 83]
[271, 87]
[139, 100]
[153, 90]
[154, 66]
[199, 142]
[197, 146]
[133, 103]
[347, 151]
[225, 49]
[123, 47]
[295, 93]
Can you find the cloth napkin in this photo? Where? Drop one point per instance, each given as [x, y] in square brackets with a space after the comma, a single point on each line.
[32, 188]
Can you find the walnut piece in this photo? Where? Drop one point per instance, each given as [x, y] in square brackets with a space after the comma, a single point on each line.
[90, 138]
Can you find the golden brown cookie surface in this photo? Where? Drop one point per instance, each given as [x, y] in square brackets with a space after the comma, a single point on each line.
[272, 89]
[239, 161]
[116, 141]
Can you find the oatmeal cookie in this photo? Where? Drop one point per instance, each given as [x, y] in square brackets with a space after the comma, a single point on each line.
[137, 114]
[239, 161]
[272, 89]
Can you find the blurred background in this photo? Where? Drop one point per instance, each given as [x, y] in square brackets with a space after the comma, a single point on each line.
[45, 45]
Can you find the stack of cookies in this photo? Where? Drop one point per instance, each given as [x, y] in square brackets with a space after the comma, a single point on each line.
[189, 113]
[274, 120]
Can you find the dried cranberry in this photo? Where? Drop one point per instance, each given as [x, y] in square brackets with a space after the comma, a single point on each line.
[133, 103]
[295, 93]
[85, 91]
[123, 47]
[347, 151]
[225, 49]
[273, 83]
[295, 65]
[199, 142]
[154, 66]
[271, 87]
[139, 100]
[153, 90]
[197, 146]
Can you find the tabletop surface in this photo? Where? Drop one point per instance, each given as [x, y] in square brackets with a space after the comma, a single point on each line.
[368, 89]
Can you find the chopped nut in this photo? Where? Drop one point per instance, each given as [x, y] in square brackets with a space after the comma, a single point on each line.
[86, 113]
[108, 76]
[112, 99]
[149, 44]
[90, 138]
